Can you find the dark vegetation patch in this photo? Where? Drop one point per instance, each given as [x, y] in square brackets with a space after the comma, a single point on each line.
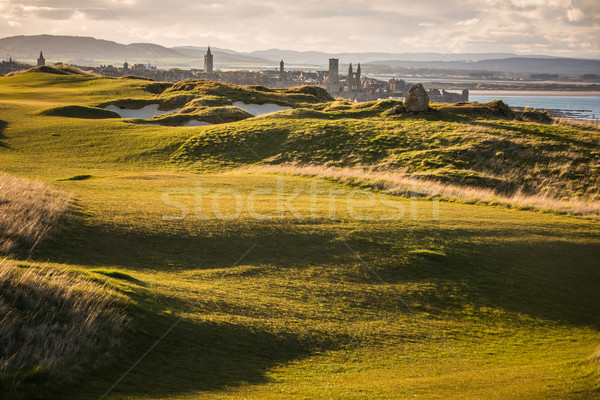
[78, 177]
[493, 109]
[117, 275]
[540, 116]
[137, 78]
[79, 112]
[3, 125]
[157, 87]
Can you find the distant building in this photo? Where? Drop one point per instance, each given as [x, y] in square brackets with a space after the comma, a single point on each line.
[11, 66]
[448, 97]
[353, 81]
[333, 83]
[125, 66]
[281, 66]
[208, 62]
[41, 61]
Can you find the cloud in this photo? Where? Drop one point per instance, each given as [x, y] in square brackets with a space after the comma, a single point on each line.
[575, 14]
[554, 27]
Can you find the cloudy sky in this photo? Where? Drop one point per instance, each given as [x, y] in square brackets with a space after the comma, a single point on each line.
[553, 27]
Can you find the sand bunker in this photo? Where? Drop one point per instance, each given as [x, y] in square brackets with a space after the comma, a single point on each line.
[185, 124]
[260, 109]
[196, 123]
[149, 111]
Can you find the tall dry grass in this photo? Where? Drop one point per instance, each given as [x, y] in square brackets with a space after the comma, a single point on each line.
[53, 324]
[28, 211]
[398, 183]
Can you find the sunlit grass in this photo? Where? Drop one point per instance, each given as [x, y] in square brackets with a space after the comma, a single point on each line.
[360, 295]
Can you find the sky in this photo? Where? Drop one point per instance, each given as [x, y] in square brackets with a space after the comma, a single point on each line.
[550, 27]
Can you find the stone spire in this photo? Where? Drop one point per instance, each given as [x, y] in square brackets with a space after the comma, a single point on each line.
[208, 61]
[41, 61]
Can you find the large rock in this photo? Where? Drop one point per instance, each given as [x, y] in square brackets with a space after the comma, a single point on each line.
[417, 99]
[399, 109]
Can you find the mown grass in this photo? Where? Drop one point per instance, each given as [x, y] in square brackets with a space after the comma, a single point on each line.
[483, 296]
[444, 300]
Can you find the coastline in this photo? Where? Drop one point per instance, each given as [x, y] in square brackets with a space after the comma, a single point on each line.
[483, 92]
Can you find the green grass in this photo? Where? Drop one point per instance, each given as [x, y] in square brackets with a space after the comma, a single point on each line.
[79, 112]
[484, 302]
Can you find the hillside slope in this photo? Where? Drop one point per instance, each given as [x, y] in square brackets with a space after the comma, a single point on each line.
[250, 284]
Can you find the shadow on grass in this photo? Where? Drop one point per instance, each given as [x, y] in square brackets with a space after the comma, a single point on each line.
[3, 125]
[214, 245]
[529, 272]
[546, 275]
[194, 356]
[566, 141]
[551, 277]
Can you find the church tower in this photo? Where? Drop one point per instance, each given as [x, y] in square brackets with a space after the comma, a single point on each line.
[333, 77]
[208, 62]
[281, 66]
[41, 61]
[350, 79]
[358, 83]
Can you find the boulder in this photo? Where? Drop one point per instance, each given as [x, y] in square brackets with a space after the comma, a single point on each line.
[399, 109]
[417, 99]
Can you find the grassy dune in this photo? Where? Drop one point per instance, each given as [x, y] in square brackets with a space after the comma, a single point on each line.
[336, 291]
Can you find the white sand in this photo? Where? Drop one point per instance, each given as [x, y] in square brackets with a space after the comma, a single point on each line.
[196, 123]
[260, 109]
[149, 111]
[189, 123]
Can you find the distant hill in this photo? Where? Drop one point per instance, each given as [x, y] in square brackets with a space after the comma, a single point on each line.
[224, 56]
[320, 58]
[513, 64]
[91, 51]
[75, 48]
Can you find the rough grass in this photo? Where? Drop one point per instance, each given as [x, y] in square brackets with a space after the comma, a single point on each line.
[53, 326]
[505, 155]
[220, 94]
[399, 183]
[28, 211]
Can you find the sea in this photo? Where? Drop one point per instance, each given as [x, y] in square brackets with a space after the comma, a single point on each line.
[582, 106]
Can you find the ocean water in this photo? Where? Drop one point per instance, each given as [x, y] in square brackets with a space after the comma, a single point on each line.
[571, 106]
